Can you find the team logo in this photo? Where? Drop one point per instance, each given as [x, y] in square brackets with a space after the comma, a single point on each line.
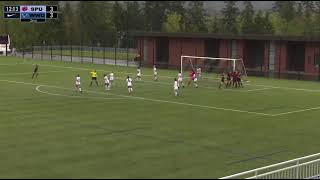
[24, 15]
[24, 8]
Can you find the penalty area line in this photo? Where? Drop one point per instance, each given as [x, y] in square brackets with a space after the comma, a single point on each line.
[150, 99]
[302, 110]
[288, 88]
[45, 72]
[119, 72]
[63, 95]
[250, 90]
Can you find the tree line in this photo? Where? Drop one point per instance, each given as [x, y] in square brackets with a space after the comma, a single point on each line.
[107, 23]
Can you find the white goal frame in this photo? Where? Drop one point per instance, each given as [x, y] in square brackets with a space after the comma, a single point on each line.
[211, 58]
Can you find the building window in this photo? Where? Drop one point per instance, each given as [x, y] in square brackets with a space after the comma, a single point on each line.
[317, 60]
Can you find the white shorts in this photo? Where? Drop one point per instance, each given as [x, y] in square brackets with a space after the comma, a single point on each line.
[175, 88]
[111, 79]
[138, 74]
[195, 80]
[155, 73]
[180, 80]
[78, 84]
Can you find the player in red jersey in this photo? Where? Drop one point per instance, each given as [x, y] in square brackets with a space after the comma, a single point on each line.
[239, 82]
[191, 76]
[234, 79]
[229, 79]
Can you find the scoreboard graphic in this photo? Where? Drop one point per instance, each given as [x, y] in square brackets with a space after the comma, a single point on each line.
[31, 13]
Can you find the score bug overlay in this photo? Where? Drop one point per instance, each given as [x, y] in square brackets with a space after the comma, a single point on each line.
[31, 13]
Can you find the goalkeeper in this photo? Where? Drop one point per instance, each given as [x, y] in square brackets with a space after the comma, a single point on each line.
[94, 76]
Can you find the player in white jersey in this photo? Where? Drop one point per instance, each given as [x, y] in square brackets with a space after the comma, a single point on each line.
[195, 80]
[138, 73]
[106, 82]
[176, 87]
[155, 73]
[199, 72]
[180, 80]
[78, 83]
[129, 84]
[111, 78]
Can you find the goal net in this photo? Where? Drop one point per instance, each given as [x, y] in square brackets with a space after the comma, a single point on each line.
[211, 68]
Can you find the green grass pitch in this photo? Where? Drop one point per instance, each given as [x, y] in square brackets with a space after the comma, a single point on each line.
[47, 130]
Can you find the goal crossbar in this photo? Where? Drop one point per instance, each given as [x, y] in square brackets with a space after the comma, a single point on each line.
[212, 58]
[202, 57]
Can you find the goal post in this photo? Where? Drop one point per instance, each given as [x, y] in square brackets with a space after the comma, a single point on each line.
[214, 65]
[212, 68]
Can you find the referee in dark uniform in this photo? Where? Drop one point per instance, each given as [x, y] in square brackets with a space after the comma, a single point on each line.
[35, 71]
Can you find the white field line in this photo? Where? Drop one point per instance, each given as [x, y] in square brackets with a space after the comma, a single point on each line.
[297, 89]
[201, 105]
[46, 72]
[215, 89]
[70, 67]
[149, 99]
[147, 75]
[288, 88]
[127, 73]
[291, 112]
[76, 68]
[258, 89]
[54, 94]
[11, 64]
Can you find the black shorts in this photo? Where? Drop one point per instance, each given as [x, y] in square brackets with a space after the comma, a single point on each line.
[228, 79]
[106, 84]
[129, 86]
[94, 78]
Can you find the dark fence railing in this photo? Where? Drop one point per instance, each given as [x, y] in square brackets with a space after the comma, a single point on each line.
[82, 54]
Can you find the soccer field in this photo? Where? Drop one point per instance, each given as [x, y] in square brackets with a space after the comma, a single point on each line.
[48, 130]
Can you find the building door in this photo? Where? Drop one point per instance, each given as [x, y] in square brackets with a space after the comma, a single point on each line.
[254, 54]
[295, 56]
[162, 45]
[211, 50]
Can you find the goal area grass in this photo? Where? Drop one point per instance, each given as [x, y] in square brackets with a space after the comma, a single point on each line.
[48, 130]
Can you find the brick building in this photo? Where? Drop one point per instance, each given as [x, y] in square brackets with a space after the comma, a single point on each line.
[262, 54]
